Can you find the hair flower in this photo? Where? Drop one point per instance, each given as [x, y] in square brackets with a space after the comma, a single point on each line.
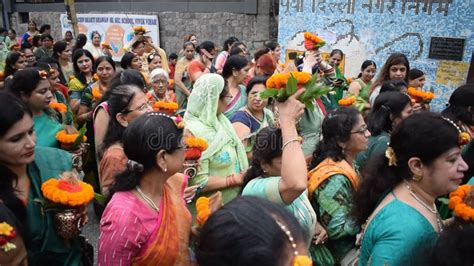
[194, 147]
[302, 260]
[390, 155]
[464, 138]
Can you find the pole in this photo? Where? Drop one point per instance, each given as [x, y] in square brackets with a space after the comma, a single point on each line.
[71, 15]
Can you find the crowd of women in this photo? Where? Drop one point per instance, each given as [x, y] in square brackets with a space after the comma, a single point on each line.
[285, 183]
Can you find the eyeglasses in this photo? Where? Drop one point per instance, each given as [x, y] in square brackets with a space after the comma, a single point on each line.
[141, 108]
[159, 81]
[361, 131]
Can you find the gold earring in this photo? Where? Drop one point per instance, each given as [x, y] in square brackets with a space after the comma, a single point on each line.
[417, 178]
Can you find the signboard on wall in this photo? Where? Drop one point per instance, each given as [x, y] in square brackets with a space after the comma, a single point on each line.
[114, 29]
[446, 48]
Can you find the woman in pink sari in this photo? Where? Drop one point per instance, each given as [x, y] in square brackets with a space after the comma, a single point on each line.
[146, 221]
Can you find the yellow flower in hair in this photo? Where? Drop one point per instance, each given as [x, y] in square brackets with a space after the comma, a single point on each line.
[301, 260]
[390, 155]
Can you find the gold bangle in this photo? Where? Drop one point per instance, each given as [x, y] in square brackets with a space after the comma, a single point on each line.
[298, 139]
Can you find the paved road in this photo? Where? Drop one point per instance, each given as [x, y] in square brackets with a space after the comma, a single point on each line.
[91, 231]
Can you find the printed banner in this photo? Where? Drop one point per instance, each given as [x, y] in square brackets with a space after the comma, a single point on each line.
[114, 29]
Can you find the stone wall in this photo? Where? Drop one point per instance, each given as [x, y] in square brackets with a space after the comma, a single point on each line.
[254, 30]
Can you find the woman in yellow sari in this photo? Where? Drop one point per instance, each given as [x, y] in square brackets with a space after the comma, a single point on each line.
[146, 221]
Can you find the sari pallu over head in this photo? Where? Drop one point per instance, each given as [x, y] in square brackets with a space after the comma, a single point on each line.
[202, 120]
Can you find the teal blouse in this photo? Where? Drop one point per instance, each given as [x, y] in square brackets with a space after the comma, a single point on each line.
[267, 188]
[44, 245]
[397, 235]
[46, 128]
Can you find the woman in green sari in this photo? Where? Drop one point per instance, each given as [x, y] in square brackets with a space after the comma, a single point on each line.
[32, 86]
[23, 168]
[361, 86]
[223, 164]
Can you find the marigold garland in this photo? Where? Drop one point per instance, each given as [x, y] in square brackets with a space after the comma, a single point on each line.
[58, 107]
[96, 94]
[348, 101]
[7, 233]
[72, 193]
[457, 203]
[203, 210]
[171, 82]
[279, 80]
[63, 137]
[194, 147]
[420, 96]
[302, 260]
[165, 106]
[312, 41]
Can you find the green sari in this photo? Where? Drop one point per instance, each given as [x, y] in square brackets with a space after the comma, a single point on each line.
[44, 246]
[46, 128]
[226, 153]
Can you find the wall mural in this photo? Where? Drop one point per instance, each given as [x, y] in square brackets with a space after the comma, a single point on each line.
[373, 29]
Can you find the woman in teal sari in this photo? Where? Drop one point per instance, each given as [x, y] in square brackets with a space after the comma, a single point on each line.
[32, 86]
[223, 163]
[24, 168]
[395, 202]
[235, 72]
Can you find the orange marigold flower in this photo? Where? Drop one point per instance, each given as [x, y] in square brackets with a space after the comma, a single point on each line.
[301, 260]
[203, 210]
[58, 107]
[165, 106]
[67, 190]
[96, 94]
[419, 95]
[105, 45]
[195, 142]
[457, 202]
[63, 137]
[312, 41]
[349, 101]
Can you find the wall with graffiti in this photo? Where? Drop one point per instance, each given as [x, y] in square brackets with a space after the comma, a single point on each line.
[373, 29]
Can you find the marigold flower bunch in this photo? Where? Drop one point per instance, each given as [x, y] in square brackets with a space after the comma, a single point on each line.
[139, 30]
[420, 96]
[63, 137]
[282, 85]
[194, 147]
[461, 201]
[312, 41]
[96, 94]
[348, 101]
[106, 46]
[67, 190]
[58, 107]
[165, 106]
[7, 233]
[278, 81]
